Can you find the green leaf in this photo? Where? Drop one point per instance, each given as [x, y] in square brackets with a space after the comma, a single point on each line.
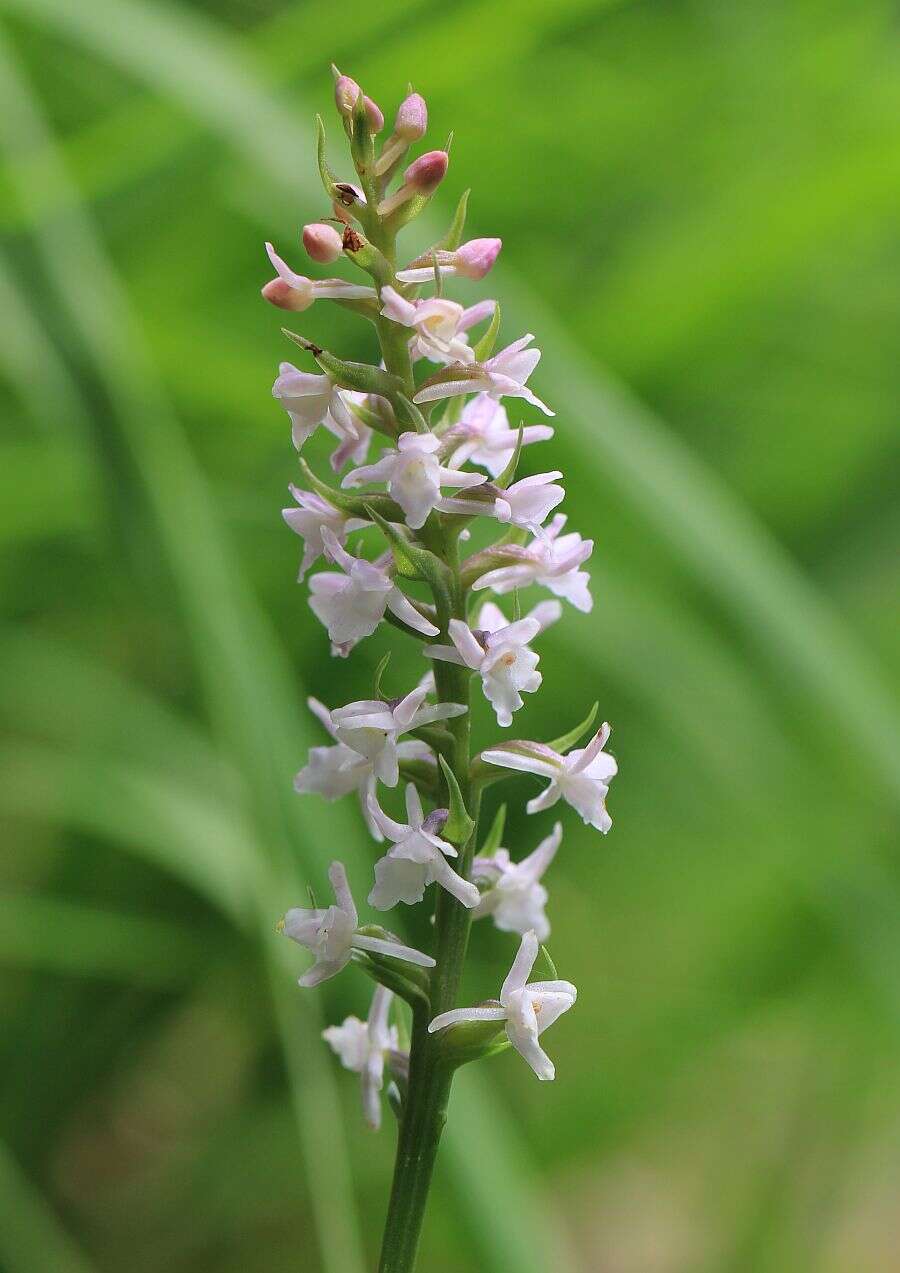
[494, 837]
[485, 346]
[32, 1239]
[328, 180]
[509, 472]
[459, 825]
[409, 413]
[545, 960]
[355, 505]
[454, 235]
[565, 741]
[362, 377]
[406, 555]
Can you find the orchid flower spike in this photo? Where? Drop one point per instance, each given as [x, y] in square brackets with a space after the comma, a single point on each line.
[296, 292]
[371, 727]
[417, 858]
[332, 934]
[552, 560]
[581, 777]
[472, 260]
[514, 896]
[310, 518]
[311, 400]
[483, 435]
[363, 1047]
[499, 651]
[414, 476]
[351, 604]
[439, 325]
[502, 376]
[527, 1009]
[338, 770]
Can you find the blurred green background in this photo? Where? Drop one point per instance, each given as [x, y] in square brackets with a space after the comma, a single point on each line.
[698, 201]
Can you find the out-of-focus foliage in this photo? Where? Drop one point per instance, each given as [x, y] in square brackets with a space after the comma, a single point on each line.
[698, 200]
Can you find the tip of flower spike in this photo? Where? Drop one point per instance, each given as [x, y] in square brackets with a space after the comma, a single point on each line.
[346, 92]
[427, 172]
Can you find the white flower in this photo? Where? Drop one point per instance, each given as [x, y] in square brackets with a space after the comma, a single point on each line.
[332, 937]
[581, 777]
[350, 447]
[371, 727]
[417, 858]
[352, 604]
[414, 476]
[439, 324]
[308, 521]
[502, 376]
[551, 560]
[530, 501]
[311, 400]
[485, 437]
[296, 292]
[527, 1009]
[362, 1047]
[335, 771]
[515, 896]
[499, 652]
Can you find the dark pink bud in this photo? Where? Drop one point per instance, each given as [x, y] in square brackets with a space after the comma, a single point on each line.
[427, 172]
[475, 258]
[322, 242]
[412, 118]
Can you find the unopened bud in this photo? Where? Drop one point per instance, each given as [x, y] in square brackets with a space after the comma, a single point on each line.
[475, 258]
[346, 91]
[322, 242]
[412, 118]
[426, 173]
[278, 292]
[373, 115]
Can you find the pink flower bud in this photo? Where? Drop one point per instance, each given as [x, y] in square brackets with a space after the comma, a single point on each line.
[373, 115]
[475, 258]
[412, 118]
[278, 292]
[427, 172]
[322, 242]
[346, 91]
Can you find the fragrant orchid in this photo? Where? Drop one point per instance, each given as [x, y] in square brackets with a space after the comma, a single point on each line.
[332, 935]
[502, 376]
[414, 476]
[363, 1046]
[513, 895]
[417, 858]
[581, 777]
[526, 1009]
[371, 727]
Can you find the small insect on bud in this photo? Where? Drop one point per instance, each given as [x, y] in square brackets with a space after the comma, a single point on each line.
[426, 173]
[322, 242]
[412, 118]
[475, 258]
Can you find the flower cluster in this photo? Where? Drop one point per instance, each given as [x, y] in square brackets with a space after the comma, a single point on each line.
[387, 534]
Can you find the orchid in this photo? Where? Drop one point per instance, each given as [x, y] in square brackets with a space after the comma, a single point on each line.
[352, 604]
[551, 560]
[312, 516]
[527, 1010]
[446, 478]
[336, 771]
[332, 934]
[483, 435]
[502, 376]
[514, 896]
[439, 324]
[414, 476]
[371, 727]
[296, 292]
[581, 777]
[418, 857]
[500, 653]
[363, 1047]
